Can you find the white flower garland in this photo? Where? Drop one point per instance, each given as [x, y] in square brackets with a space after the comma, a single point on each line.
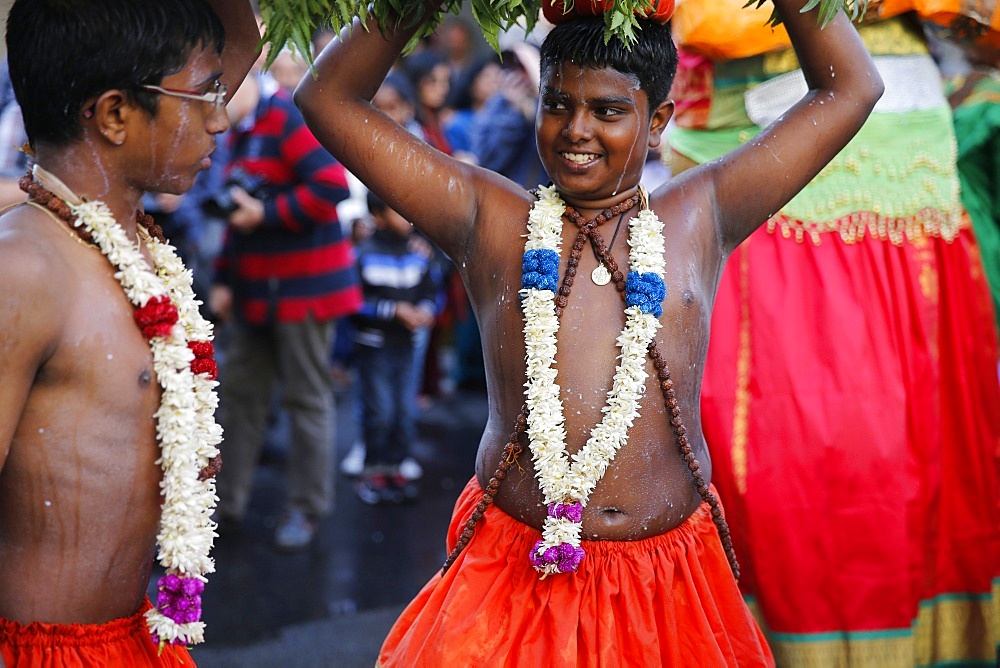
[185, 425]
[567, 482]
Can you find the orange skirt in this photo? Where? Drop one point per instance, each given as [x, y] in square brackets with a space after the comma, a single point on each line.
[670, 600]
[120, 642]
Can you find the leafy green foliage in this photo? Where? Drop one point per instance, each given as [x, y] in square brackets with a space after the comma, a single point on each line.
[293, 22]
[828, 9]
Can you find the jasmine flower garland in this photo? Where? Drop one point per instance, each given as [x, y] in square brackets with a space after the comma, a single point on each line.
[566, 482]
[180, 340]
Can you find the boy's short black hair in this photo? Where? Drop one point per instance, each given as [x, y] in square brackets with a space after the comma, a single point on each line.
[65, 52]
[652, 59]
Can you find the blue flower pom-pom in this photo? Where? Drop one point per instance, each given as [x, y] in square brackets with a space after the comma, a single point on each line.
[540, 269]
[647, 291]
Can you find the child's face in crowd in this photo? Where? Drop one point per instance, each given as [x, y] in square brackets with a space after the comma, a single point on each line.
[288, 69]
[593, 130]
[434, 87]
[387, 219]
[392, 104]
[487, 82]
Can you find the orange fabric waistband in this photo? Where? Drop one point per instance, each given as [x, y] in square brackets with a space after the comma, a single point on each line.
[41, 634]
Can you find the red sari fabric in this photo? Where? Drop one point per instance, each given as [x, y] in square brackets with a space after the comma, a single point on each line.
[852, 409]
[121, 642]
[670, 600]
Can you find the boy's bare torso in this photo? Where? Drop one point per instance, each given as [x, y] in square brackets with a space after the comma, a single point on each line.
[594, 127]
[79, 494]
[648, 489]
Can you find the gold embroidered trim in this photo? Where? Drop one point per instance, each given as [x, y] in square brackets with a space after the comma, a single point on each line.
[856, 226]
[741, 404]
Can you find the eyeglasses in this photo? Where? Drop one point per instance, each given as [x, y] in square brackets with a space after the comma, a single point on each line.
[217, 97]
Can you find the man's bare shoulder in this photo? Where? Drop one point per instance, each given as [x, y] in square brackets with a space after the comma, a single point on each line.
[686, 203]
[502, 203]
[35, 271]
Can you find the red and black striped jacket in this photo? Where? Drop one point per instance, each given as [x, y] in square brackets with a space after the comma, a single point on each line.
[299, 262]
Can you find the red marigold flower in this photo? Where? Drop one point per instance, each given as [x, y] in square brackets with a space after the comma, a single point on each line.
[204, 358]
[157, 317]
[205, 366]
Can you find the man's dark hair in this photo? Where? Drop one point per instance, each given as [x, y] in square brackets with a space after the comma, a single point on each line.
[63, 53]
[652, 59]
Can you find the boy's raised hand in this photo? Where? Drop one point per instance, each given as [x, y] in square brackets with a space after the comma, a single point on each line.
[753, 182]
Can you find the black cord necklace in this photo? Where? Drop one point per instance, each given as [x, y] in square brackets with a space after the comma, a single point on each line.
[600, 275]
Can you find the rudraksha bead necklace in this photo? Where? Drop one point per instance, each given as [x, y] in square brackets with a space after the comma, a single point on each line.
[40, 194]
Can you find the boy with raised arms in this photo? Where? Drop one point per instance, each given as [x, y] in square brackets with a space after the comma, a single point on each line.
[590, 534]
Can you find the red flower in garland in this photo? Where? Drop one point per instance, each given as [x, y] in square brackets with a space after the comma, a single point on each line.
[157, 317]
[204, 358]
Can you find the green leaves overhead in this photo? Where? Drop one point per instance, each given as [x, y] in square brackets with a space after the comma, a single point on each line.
[855, 9]
[292, 22]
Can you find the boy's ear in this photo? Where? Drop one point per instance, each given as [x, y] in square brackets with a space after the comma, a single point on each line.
[658, 122]
[108, 114]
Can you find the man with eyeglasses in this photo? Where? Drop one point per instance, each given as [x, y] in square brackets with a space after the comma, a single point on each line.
[119, 98]
[216, 97]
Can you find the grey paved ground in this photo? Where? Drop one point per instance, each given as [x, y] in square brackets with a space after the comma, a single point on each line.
[346, 641]
[333, 604]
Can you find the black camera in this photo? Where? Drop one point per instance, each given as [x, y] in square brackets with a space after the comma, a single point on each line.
[221, 204]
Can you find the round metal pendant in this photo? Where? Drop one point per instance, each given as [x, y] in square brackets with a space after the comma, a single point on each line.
[600, 275]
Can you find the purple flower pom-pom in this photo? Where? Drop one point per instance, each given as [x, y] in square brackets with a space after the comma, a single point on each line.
[570, 511]
[569, 558]
[170, 582]
[534, 557]
[192, 586]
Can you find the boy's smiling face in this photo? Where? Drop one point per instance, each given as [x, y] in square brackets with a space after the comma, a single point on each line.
[593, 130]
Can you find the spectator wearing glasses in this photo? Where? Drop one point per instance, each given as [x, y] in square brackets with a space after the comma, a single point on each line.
[97, 477]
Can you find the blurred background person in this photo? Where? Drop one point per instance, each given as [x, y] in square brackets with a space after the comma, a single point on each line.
[400, 282]
[288, 69]
[469, 94]
[973, 89]
[13, 160]
[285, 275]
[503, 131]
[430, 78]
[459, 42]
[396, 98]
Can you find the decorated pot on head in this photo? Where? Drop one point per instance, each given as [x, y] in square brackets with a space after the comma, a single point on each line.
[557, 11]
